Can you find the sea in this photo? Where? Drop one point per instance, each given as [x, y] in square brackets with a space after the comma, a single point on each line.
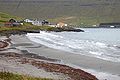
[102, 43]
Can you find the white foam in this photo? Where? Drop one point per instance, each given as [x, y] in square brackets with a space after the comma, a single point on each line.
[102, 45]
[72, 43]
[96, 53]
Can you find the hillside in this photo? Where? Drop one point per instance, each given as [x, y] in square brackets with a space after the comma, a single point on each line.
[80, 12]
[5, 17]
[26, 27]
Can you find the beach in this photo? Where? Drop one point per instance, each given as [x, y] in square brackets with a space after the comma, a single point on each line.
[102, 69]
[87, 63]
[60, 39]
[17, 58]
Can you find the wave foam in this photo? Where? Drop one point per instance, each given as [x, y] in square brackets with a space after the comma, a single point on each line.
[72, 43]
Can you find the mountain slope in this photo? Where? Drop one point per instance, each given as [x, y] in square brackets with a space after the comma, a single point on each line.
[88, 12]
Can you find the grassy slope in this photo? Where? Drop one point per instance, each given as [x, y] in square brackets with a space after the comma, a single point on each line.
[11, 76]
[5, 17]
[88, 12]
[27, 26]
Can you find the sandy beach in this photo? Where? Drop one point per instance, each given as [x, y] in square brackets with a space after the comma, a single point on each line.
[91, 64]
[103, 70]
[16, 57]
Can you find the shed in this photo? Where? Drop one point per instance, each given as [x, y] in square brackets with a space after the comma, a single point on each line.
[61, 24]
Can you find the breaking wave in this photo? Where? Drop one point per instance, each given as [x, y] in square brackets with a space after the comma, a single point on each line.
[72, 43]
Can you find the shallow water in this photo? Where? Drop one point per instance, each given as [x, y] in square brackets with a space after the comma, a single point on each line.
[99, 42]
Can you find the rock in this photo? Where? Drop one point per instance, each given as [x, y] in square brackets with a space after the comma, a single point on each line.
[31, 31]
[19, 32]
[68, 29]
[3, 44]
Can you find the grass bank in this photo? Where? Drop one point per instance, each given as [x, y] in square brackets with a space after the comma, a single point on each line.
[26, 26]
[11, 76]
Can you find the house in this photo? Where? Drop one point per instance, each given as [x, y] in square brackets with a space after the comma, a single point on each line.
[12, 23]
[40, 22]
[16, 24]
[52, 25]
[8, 24]
[37, 23]
[12, 20]
[29, 20]
[45, 22]
[109, 25]
[61, 24]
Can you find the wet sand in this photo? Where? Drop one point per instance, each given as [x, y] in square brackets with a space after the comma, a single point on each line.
[85, 62]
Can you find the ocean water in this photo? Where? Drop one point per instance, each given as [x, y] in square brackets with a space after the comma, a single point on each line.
[95, 42]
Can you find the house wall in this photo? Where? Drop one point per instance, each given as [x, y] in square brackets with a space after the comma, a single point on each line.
[28, 20]
[37, 23]
[52, 25]
[61, 25]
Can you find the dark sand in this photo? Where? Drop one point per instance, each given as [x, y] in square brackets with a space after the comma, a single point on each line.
[16, 56]
[104, 69]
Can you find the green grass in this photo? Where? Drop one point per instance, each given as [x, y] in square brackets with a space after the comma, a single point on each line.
[89, 12]
[6, 17]
[83, 21]
[11, 76]
[27, 26]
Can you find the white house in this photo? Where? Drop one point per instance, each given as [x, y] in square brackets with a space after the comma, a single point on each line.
[61, 24]
[52, 25]
[29, 20]
[37, 23]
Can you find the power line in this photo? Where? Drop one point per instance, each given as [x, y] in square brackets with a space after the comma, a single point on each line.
[19, 3]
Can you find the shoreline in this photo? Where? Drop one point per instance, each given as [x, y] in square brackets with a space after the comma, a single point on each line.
[48, 64]
[43, 51]
[100, 66]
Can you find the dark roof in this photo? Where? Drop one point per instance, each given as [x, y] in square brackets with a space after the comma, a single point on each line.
[12, 20]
